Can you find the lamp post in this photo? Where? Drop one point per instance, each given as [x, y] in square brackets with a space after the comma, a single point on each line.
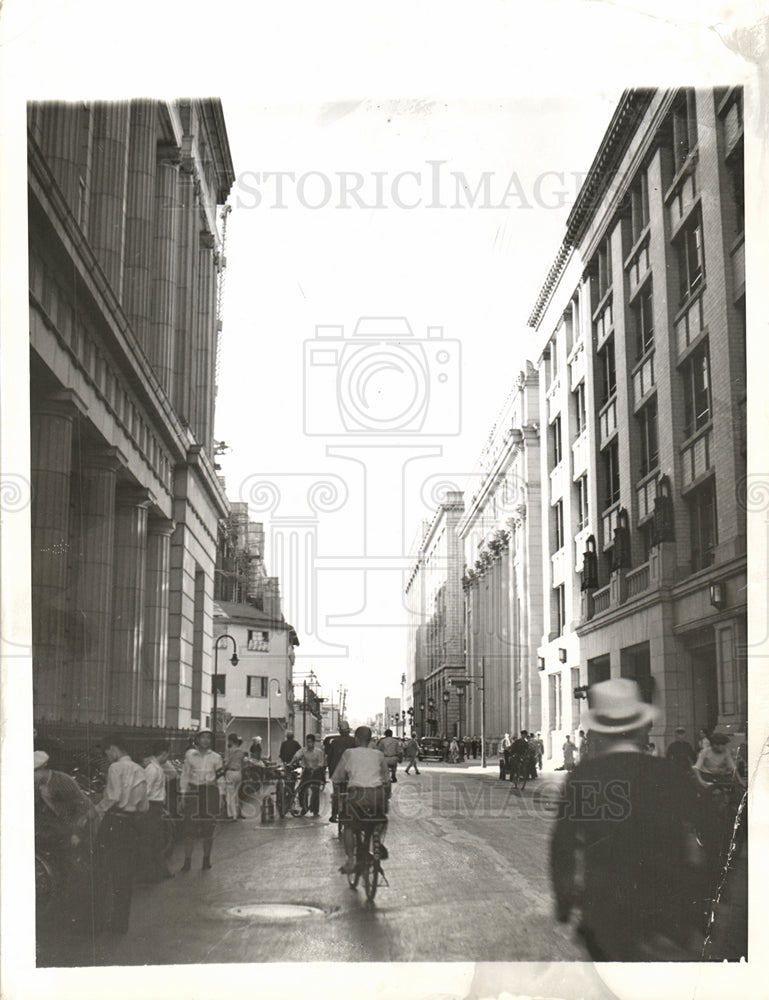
[446, 699]
[430, 712]
[234, 662]
[402, 712]
[421, 728]
[461, 699]
[272, 680]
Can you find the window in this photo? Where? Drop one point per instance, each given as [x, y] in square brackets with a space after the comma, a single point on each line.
[610, 458]
[646, 531]
[554, 684]
[218, 684]
[580, 408]
[608, 371]
[647, 428]
[559, 537]
[555, 431]
[691, 257]
[602, 270]
[695, 373]
[256, 687]
[560, 608]
[639, 206]
[582, 503]
[554, 358]
[258, 640]
[702, 525]
[643, 320]
[684, 127]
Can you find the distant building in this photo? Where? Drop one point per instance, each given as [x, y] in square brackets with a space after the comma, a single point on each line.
[641, 330]
[124, 256]
[392, 714]
[435, 601]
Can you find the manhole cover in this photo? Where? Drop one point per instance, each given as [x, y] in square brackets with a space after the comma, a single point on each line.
[275, 912]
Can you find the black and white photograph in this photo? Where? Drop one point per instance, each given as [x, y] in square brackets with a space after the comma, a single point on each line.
[385, 527]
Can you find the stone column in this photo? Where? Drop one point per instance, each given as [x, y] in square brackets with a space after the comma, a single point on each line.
[140, 212]
[61, 147]
[155, 653]
[206, 359]
[52, 423]
[128, 599]
[93, 586]
[185, 341]
[164, 264]
[108, 187]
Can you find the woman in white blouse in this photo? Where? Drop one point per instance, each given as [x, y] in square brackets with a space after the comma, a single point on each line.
[202, 787]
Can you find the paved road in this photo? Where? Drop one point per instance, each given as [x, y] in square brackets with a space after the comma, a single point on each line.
[468, 881]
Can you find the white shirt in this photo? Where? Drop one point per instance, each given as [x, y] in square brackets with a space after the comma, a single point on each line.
[156, 780]
[362, 767]
[126, 787]
[200, 768]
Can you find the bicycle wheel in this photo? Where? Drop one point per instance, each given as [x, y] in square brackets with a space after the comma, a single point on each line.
[353, 877]
[295, 802]
[371, 865]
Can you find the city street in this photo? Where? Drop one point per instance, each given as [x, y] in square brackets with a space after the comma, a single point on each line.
[468, 881]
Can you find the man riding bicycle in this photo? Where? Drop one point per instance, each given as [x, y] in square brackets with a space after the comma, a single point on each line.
[367, 775]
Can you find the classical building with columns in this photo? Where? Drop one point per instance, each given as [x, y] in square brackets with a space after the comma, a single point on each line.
[641, 339]
[436, 638]
[501, 533]
[124, 255]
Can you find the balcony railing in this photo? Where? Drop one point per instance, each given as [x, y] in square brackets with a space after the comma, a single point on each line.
[609, 521]
[601, 600]
[638, 580]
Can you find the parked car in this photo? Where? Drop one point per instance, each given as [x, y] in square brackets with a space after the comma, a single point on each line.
[431, 748]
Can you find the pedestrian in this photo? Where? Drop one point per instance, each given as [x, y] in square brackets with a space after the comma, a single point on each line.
[335, 747]
[313, 762]
[288, 748]
[506, 747]
[454, 750]
[582, 745]
[622, 839]
[255, 750]
[125, 796]
[202, 787]
[154, 868]
[518, 749]
[393, 752]
[680, 751]
[531, 756]
[539, 748]
[569, 750]
[233, 775]
[502, 761]
[411, 751]
[468, 747]
[703, 742]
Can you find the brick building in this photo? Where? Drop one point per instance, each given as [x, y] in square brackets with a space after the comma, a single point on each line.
[123, 266]
[641, 333]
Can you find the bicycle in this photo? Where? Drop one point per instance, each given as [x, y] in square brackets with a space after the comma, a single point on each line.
[286, 797]
[369, 851]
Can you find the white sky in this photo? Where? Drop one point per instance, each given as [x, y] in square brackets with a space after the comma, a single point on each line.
[475, 271]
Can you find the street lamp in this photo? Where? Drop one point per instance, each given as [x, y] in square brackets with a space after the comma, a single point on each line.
[234, 662]
[403, 707]
[446, 699]
[272, 680]
[431, 712]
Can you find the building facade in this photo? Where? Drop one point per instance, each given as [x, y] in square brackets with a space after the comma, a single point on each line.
[641, 330]
[255, 695]
[124, 256]
[501, 534]
[435, 600]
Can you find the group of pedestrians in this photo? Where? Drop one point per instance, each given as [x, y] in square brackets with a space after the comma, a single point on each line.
[521, 754]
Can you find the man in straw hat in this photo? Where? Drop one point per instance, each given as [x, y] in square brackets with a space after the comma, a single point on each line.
[627, 819]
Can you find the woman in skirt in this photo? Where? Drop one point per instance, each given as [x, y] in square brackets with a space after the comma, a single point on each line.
[202, 787]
